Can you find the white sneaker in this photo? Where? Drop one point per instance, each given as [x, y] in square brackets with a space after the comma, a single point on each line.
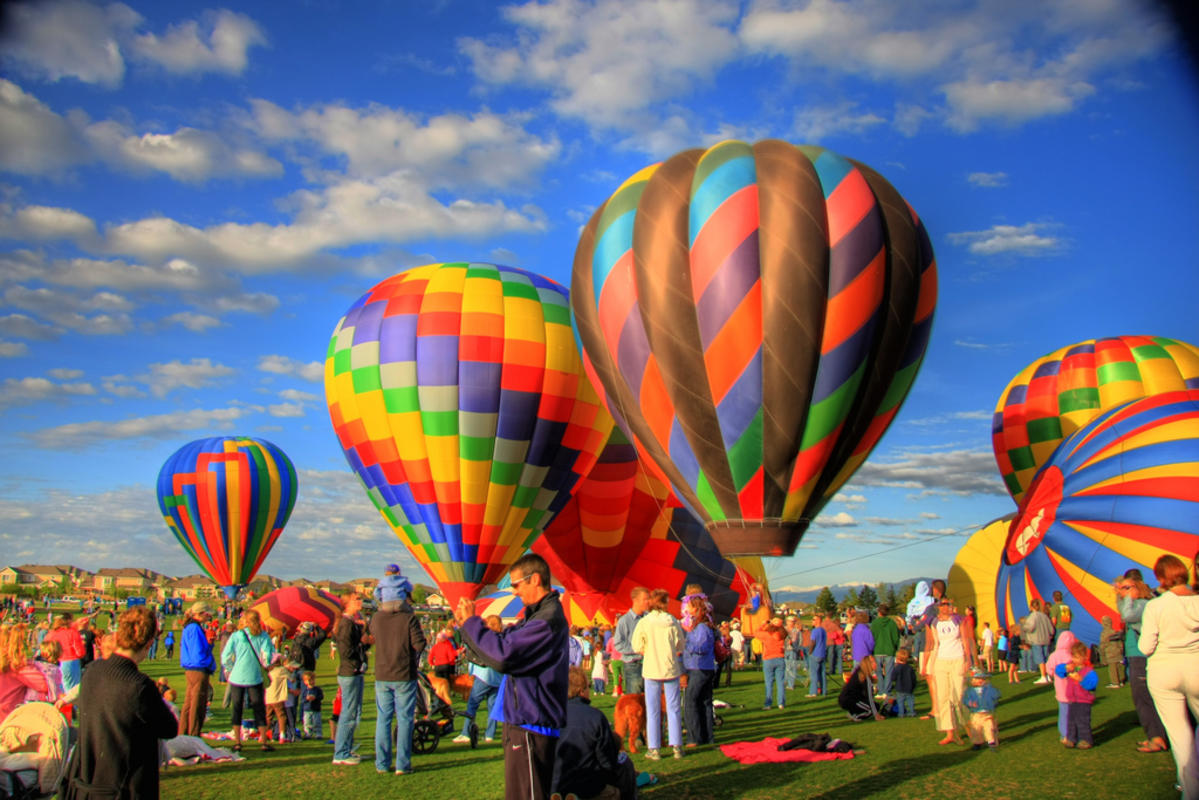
[1041, 680]
[461, 738]
[348, 762]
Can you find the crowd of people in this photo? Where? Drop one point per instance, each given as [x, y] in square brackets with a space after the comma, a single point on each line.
[536, 677]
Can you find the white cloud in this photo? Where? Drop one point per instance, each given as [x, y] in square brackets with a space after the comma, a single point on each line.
[1028, 239]
[813, 123]
[286, 410]
[841, 497]
[841, 519]
[988, 180]
[313, 371]
[64, 374]
[187, 154]
[13, 349]
[159, 426]
[33, 139]
[45, 222]
[57, 39]
[21, 391]
[25, 327]
[163, 378]
[607, 61]
[296, 396]
[100, 314]
[196, 323]
[221, 44]
[951, 472]
[484, 149]
[1011, 101]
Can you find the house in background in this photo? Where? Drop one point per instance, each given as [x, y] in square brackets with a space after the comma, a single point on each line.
[44, 576]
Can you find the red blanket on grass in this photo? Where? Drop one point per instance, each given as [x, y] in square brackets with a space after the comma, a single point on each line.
[767, 752]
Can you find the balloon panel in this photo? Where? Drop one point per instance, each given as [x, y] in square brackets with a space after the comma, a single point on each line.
[1117, 494]
[755, 315]
[973, 572]
[226, 500]
[457, 393]
[1063, 391]
[291, 605]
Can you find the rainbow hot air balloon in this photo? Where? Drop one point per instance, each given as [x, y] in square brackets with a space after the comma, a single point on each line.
[226, 499]
[289, 606]
[1059, 393]
[755, 315]
[1118, 493]
[458, 396]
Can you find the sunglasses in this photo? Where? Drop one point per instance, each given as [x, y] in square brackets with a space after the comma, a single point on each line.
[521, 580]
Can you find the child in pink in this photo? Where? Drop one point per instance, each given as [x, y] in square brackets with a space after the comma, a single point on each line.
[1081, 681]
[1060, 655]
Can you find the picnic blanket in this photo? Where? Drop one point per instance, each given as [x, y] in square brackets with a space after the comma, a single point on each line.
[767, 752]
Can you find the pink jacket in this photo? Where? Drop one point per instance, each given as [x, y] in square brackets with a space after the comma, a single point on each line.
[14, 684]
[1060, 655]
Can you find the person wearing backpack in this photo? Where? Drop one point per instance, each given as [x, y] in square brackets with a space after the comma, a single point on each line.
[1060, 615]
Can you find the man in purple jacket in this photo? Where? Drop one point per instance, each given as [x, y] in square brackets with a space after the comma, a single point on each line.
[533, 657]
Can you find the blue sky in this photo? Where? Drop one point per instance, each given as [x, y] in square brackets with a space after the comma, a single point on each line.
[189, 201]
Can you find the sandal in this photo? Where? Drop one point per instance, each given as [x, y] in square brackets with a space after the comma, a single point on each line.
[1152, 747]
[236, 748]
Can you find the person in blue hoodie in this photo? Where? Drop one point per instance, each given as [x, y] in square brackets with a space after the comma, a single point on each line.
[532, 655]
[195, 656]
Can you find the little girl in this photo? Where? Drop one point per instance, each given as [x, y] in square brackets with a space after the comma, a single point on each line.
[1013, 656]
[1080, 689]
[599, 672]
[696, 591]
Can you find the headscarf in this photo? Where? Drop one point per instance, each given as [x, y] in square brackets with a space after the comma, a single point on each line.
[920, 603]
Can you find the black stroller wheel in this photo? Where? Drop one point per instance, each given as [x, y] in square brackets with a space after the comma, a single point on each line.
[425, 737]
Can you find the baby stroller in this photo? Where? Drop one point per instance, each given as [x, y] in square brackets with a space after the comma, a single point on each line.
[34, 751]
[437, 719]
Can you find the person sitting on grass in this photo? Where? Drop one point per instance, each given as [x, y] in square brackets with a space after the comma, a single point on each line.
[1080, 689]
[857, 695]
[589, 762]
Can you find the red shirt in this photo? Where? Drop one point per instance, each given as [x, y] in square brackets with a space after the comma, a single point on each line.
[69, 640]
[442, 653]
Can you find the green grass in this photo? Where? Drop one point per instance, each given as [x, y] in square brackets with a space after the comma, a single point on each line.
[901, 758]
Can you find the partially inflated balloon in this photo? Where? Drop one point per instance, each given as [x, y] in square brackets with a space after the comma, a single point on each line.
[458, 396]
[291, 605]
[226, 499]
[1059, 393]
[755, 315]
[1118, 493]
[973, 572]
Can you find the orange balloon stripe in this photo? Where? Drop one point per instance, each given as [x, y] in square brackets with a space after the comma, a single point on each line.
[735, 345]
[854, 306]
[738, 221]
[848, 205]
[618, 299]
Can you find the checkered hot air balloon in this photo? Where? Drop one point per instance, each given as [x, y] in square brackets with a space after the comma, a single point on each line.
[1056, 395]
[458, 395]
[623, 528]
[755, 315]
[1118, 493]
[226, 499]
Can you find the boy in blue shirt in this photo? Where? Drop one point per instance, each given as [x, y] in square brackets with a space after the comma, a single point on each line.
[981, 699]
[393, 589]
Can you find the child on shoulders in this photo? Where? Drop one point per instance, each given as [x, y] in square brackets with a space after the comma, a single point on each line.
[393, 589]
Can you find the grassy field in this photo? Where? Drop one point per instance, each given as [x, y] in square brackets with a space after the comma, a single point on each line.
[900, 758]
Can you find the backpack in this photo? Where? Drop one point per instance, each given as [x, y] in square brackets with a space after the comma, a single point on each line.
[720, 650]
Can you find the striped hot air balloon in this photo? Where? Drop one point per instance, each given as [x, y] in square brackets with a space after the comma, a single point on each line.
[1056, 395]
[1118, 493]
[226, 499]
[755, 315]
[458, 395]
[291, 605]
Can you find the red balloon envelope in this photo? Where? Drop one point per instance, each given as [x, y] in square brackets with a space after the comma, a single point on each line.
[292, 605]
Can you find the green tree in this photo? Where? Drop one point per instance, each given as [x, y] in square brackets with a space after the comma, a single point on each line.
[826, 602]
[891, 598]
[868, 598]
[905, 596]
[851, 599]
[419, 594]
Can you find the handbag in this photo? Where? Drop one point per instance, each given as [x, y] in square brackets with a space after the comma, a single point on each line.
[266, 676]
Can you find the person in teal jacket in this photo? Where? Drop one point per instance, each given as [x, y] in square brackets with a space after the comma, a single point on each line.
[1132, 595]
[246, 654]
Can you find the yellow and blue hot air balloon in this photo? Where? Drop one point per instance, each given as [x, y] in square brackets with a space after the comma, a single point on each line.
[755, 314]
[226, 499]
[1118, 493]
[457, 393]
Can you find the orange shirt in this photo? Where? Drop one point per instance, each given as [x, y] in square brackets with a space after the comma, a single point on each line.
[772, 641]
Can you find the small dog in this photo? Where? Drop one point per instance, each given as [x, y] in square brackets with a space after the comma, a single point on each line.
[460, 685]
[629, 719]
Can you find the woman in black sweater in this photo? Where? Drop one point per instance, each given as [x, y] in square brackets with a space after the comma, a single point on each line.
[121, 719]
[857, 695]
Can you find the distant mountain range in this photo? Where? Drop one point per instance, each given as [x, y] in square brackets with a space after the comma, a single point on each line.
[808, 594]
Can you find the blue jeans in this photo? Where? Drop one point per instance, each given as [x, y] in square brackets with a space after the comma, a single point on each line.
[905, 704]
[351, 715]
[633, 684]
[773, 670]
[815, 675]
[1026, 660]
[393, 700]
[479, 692]
[792, 669]
[653, 712]
[836, 659]
[883, 681]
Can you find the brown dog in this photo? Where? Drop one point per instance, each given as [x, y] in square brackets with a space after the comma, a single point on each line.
[629, 719]
[460, 685]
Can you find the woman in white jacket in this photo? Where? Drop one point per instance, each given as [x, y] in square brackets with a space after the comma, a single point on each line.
[1170, 639]
[659, 638]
